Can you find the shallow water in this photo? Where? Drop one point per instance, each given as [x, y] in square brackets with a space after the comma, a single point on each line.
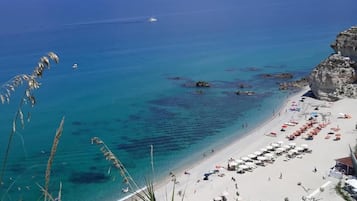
[133, 86]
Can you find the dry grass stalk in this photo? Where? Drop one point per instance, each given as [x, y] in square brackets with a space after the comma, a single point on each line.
[108, 154]
[145, 195]
[32, 83]
[47, 194]
[52, 155]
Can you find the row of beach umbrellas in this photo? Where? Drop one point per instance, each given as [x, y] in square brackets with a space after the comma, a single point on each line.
[265, 154]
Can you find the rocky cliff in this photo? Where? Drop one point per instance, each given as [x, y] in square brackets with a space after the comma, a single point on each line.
[346, 43]
[335, 77]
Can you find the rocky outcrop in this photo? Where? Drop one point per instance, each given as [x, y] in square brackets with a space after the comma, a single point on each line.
[202, 84]
[346, 43]
[335, 77]
[278, 75]
[302, 82]
[247, 93]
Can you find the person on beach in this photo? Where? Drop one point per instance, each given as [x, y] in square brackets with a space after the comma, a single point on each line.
[281, 175]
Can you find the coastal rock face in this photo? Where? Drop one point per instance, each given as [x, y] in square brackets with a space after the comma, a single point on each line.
[335, 77]
[346, 43]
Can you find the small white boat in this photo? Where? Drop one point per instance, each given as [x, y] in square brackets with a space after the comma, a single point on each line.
[75, 66]
[152, 19]
[125, 190]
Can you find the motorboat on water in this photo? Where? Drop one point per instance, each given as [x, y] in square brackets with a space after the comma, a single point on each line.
[152, 19]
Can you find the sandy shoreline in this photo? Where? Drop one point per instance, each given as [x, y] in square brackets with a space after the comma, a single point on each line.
[263, 183]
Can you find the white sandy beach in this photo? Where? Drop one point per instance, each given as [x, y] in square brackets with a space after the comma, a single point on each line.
[264, 183]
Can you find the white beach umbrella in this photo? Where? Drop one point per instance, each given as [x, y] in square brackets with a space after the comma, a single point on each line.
[287, 147]
[243, 167]
[299, 149]
[292, 144]
[305, 146]
[258, 153]
[250, 164]
[269, 147]
[292, 152]
[263, 150]
[252, 156]
[217, 199]
[262, 158]
[245, 158]
[275, 145]
[281, 149]
[269, 156]
[239, 161]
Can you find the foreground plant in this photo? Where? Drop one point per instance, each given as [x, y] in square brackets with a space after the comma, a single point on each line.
[32, 81]
[146, 195]
[50, 160]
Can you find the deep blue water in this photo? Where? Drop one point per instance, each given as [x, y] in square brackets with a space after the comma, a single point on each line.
[133, 87]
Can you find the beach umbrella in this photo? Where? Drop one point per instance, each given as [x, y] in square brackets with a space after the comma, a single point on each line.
[262, 158]
[286, 147]
[269, 147]
[263, 150]
[292, 144]
[240, 161]
[217, 199]
[243, 167]
[269, 155]
[258, 153]
[252, 156]
[299, 149]
[305, 146]
[275, 145]
[245, 158]
[281, 149]
[338, 134]
[250, 164]
[292, 152]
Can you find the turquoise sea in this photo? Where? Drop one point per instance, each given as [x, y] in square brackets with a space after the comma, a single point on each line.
[133, 87]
